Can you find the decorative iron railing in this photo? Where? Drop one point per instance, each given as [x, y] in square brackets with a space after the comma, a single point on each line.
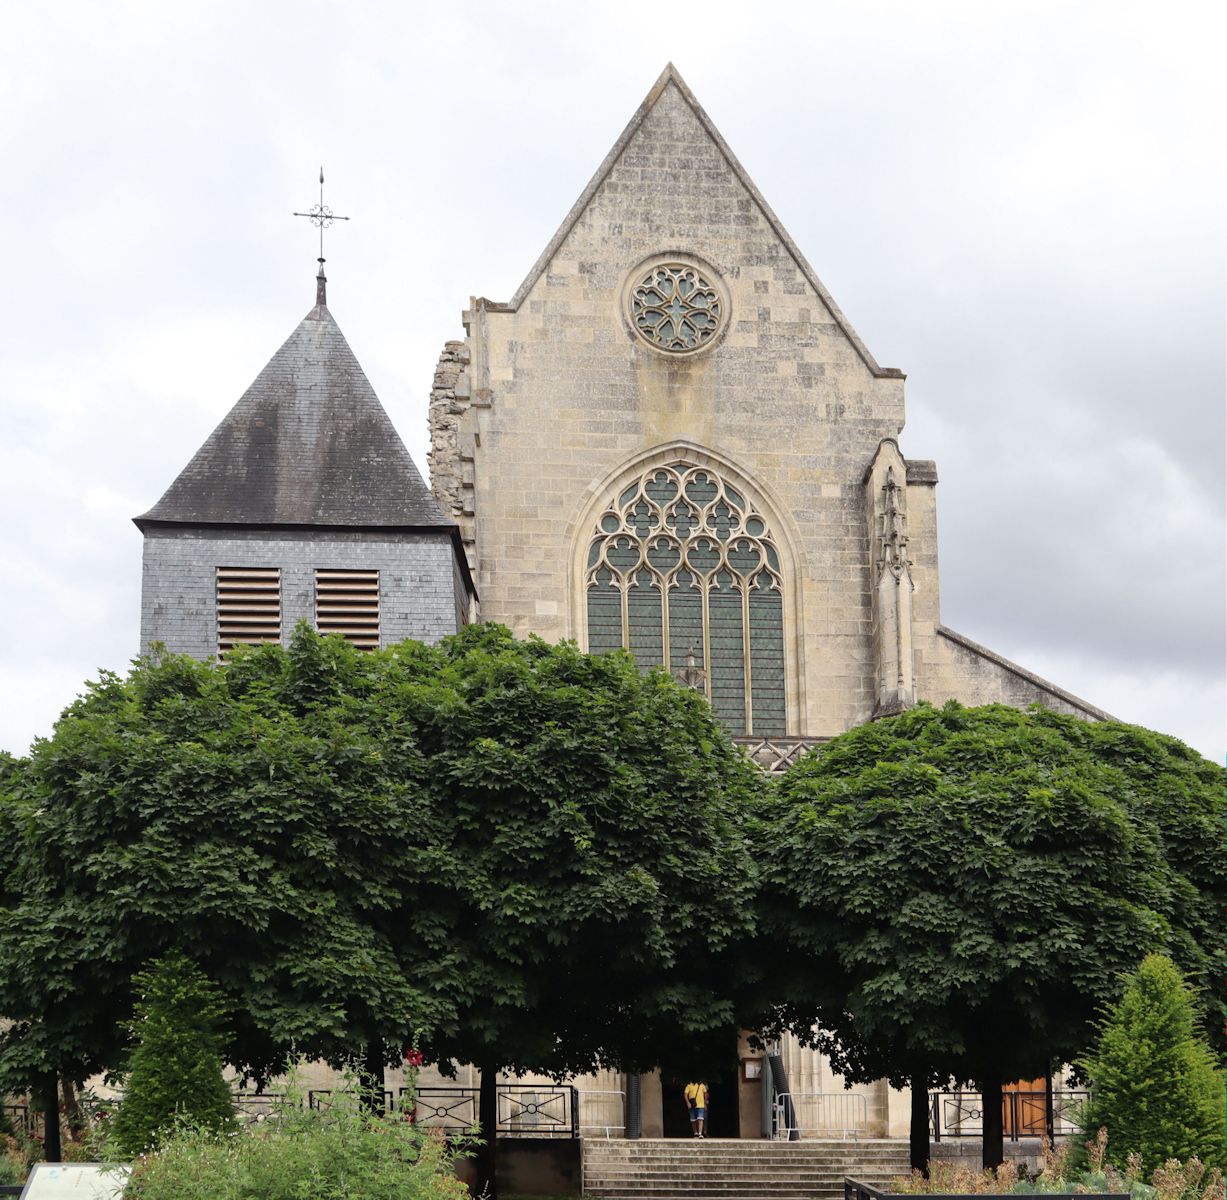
[254, 1108]
[1023, 1114]
[524, 1109]
[538, 1110]
[24, 1122]
[818, 1114]
[450, 1108]
[776, 754]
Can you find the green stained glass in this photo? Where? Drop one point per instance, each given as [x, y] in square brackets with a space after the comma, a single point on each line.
[604, 613]
[701, 489]
[643, 607]
[744, 557]
[662, 487]
[683, 561]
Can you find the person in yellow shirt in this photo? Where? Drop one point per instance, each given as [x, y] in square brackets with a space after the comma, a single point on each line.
[696, 1101]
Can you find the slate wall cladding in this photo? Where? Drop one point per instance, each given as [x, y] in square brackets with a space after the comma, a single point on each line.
[419, 591]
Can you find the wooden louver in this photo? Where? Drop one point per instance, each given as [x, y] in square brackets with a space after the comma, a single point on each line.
[248, 606]
[347, 602]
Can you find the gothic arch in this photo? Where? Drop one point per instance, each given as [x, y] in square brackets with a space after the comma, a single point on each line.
[679, 553]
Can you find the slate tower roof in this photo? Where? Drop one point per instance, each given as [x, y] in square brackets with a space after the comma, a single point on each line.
[307, 445]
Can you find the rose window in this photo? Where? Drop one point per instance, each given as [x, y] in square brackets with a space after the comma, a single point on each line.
[676, 309]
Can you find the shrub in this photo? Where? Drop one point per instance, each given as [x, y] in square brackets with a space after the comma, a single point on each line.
[1173, 1180]
[175, 1072]
[1153, 1080]
[344, 1153]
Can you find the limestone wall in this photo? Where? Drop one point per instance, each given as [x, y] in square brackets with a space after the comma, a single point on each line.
[560, 392]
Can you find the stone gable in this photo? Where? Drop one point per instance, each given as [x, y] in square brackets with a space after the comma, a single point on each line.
[554, 401]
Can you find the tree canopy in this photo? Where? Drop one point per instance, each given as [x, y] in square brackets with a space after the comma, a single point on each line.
[958, 891]
[516, 853]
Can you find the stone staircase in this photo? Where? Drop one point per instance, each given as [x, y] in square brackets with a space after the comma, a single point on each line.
[730, 1169]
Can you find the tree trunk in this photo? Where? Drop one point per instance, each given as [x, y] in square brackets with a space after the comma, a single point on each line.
[486, 1159]
[993, 1152]
[918, 1133]
[71, 1105]
[372, 1081]
[52, 1150]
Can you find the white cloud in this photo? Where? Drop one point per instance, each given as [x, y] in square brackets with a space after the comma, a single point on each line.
[1018, 203]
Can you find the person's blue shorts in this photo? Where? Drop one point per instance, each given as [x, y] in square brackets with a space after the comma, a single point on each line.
[698, 1114]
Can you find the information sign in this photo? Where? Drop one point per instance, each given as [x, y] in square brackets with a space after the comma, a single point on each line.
[76, 1181]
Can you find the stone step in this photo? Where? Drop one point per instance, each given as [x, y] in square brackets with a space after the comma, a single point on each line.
[845, 1167]
[735, 1169]
[800, 1161]
[723, 1156]
[685, 1190]
[710, 1150]
[713, 1154]
[645, 1144]
[826, 1168]
[734, 1183]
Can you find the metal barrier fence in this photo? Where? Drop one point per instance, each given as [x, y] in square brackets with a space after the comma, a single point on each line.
[1024, 1114]
[602, 1113]
[818, 1114]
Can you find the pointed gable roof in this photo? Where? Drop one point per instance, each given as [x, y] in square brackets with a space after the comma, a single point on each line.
[308, 444]
[670, 77]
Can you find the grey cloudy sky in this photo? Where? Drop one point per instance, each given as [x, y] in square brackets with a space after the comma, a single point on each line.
[1019, 204]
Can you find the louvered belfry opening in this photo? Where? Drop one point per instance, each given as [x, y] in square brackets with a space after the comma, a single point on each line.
[248, 606]
[347, 602]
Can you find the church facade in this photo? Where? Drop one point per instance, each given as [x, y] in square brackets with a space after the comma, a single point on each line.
[670, 439]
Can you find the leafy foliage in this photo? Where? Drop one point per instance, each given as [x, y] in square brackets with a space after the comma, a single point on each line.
[175, 1072]
[958, 891]
[1065, 1173]
[344, 1153]
[433, 843]
[579, 821]
[1154, 1083]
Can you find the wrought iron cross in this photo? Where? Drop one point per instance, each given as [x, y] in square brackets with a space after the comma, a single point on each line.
[321, 216]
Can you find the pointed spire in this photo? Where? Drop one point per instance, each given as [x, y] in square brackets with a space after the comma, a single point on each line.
[308, 444]
[321, 216]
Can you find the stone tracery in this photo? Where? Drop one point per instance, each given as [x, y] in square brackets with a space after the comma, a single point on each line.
[675, 308]
[680, 564]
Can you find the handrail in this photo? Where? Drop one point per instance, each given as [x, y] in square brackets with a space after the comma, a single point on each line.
[819, 1112]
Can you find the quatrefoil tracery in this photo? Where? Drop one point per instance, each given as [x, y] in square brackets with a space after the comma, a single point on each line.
[684, 527]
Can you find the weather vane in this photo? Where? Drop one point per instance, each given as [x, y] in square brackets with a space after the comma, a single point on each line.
[321, 216]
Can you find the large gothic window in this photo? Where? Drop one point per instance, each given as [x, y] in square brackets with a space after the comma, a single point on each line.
[680, 565]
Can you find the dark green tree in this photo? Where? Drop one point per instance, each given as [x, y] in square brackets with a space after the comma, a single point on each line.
[175, 1071]
[956, 892]
[517, 854]
[582, 877]
[1152, 1074]
[222, 807]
